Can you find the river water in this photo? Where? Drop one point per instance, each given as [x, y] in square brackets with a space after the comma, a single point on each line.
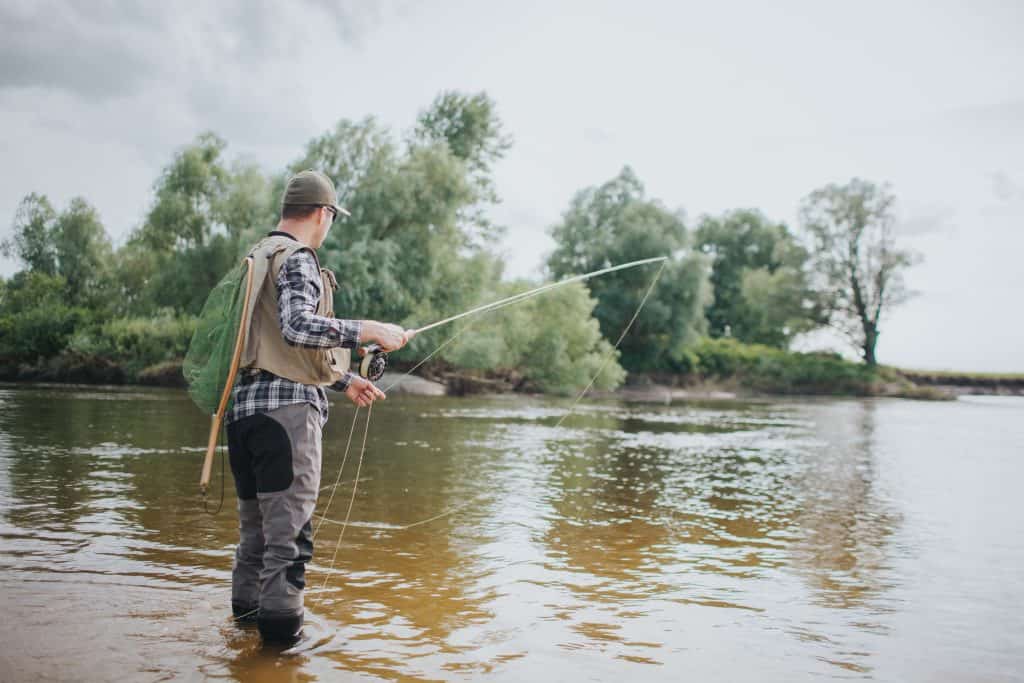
[772, 540]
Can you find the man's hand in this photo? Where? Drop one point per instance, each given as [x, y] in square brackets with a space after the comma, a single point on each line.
[389, 337]
[363, 392]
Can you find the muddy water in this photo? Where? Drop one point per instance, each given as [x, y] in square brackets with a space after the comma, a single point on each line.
[783, 540]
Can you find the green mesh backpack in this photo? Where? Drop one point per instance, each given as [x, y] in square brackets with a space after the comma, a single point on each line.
[216, 345]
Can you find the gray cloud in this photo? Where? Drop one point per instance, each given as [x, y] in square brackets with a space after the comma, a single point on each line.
[931, 221]
[1004, 188]
[102, 52]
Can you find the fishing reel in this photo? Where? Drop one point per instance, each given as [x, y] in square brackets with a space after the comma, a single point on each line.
[373, 363]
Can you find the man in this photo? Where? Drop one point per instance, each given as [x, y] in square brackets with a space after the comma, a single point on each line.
[295, 348]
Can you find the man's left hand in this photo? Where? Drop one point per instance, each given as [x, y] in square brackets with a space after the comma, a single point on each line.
[363, 392]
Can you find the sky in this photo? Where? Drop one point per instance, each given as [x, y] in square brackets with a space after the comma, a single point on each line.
[716, 106]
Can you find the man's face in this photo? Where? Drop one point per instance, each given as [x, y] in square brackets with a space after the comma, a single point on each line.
[324, 225]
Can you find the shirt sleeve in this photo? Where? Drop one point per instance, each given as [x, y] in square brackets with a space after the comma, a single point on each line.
[298, 292]
[343, 383]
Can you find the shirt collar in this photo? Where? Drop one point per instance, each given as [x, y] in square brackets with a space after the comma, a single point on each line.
[282, 233]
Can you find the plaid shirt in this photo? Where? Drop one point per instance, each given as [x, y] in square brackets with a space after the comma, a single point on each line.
[298, 292]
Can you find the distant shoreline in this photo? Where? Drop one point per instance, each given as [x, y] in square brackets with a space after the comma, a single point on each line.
[658, 388]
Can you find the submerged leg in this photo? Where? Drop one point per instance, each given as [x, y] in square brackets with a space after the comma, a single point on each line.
[245, 571]
[288, 480]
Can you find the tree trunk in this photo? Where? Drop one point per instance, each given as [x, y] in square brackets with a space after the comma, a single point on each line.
[870, 339]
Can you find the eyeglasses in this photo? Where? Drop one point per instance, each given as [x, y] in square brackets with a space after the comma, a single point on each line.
[334, 212]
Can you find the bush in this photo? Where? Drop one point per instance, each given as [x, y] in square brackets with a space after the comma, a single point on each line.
[553, 341]
[137, 343]
[36, 322]
[766, 368]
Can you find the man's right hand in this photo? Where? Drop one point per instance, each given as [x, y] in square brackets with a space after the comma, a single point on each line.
[389, 337]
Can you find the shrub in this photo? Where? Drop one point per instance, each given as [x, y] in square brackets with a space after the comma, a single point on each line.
[766, 368]
[137, 343]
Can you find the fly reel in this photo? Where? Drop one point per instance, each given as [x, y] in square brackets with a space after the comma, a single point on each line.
[373, 363]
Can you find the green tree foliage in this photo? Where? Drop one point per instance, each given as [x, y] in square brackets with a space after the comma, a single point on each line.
[470, 127]
[193, 232]
[771, 369]
[32, 242]
[72, 244]
[137, 342]
[615, 223]
[552, 340]
[854, 257]
[761, 292]
[412, 250]
[35, 319]
[83, 254]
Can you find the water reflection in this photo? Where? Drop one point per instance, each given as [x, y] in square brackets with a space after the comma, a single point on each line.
[847, 525]
[628, 541]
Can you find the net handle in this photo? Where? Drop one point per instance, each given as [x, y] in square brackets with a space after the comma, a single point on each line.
[218, 417]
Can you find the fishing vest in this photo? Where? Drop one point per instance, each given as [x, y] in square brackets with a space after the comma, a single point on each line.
[265, 347]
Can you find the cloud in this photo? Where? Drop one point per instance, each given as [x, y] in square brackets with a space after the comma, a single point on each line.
[105, 52]
[109, 49]
[1004, 188]
[934, 220]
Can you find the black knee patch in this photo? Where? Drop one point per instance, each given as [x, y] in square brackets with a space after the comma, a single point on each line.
[238, 455]
[272, 457]
[261, 456]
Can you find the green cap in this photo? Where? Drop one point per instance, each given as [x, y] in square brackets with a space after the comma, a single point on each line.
[312, 188]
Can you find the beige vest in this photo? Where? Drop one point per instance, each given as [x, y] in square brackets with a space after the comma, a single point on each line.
[265, 346]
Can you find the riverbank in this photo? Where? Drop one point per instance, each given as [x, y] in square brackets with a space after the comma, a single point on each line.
[726, 370]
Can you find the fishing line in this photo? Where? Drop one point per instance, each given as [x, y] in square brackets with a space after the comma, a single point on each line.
[341, 469]
[375, 359]
[479, 309]
[351, 500]
[615, 348]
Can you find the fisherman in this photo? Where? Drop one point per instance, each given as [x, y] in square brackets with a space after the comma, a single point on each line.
[295, 348]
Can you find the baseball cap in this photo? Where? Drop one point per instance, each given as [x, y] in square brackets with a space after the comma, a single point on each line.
[312, 187]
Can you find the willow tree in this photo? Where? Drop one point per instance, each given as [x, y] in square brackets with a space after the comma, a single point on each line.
[855, 259]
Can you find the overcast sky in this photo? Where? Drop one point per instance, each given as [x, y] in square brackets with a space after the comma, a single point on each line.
[715, 105]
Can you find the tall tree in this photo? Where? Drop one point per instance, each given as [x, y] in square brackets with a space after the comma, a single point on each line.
[83, 253]
[33, 239]
[616, 223]
[761, 291]
[470, 127]
[194, 230]
[855, 258]
[72, 244]
[412, 249]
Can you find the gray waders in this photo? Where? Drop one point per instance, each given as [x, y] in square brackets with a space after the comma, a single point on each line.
[275, 460]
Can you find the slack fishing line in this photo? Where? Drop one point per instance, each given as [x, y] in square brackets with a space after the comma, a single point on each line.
[479, 309]
[374, 361]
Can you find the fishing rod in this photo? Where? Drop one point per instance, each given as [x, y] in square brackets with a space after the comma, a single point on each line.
[375, 360]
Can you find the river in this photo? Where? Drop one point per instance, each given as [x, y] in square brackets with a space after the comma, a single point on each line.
[765, 540]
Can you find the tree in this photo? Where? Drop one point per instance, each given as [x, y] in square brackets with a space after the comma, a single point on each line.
[470, 127]
[195, 229]
[854, 257]
[83, 253]
[413, 248]
[761, 292]
[615, 223]
[552, 340]
[72, 244]
[32, 242]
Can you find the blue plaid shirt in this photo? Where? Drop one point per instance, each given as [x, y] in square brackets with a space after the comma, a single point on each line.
[298, 293]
